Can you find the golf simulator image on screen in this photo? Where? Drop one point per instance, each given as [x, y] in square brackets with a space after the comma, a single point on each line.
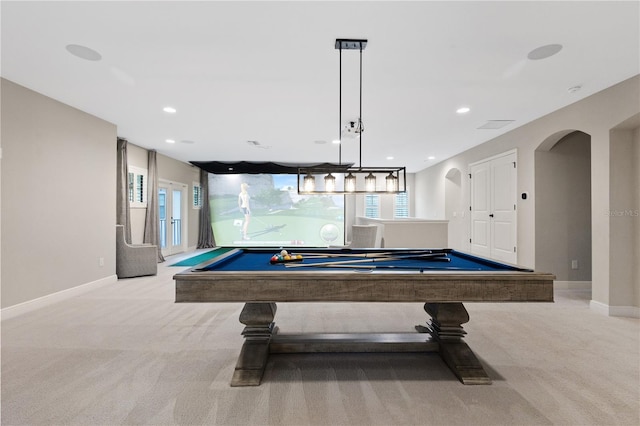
[266, 210]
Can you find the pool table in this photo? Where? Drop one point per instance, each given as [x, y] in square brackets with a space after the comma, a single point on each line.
[442, 279]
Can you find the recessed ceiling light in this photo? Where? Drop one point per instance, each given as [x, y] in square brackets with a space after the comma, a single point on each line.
[170, 110]
[170, 141]
[389, 158]
[336, 141]
[544, 52]
[463, 110]
[83, 52]
[431, 157]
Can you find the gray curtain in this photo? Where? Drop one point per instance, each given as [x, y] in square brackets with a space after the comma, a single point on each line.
[205, 233]
[151, 220]
[122, 190]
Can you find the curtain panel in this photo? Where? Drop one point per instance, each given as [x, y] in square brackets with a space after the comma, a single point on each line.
[122, 190]
[205, 233]
[151, 221]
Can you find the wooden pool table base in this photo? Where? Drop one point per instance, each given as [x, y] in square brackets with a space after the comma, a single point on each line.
[443, 334]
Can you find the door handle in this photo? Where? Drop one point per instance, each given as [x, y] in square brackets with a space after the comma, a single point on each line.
[491, 215]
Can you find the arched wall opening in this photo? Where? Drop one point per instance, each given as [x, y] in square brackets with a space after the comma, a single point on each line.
[563, 208]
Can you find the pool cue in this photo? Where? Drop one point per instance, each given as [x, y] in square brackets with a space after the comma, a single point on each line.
[371, 255]
[434, 256]
[360, 256]
[413, 268]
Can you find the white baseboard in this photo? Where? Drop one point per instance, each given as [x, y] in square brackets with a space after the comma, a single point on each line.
[615, 311]
[572, 285]
[49, 299]
[599, 307]
[624, 311]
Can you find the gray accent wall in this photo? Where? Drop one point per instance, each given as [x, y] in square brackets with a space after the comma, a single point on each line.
[171, 170]
[596, 115]
[563, 208]
[58, 196]
[177, 171]
[624, 215]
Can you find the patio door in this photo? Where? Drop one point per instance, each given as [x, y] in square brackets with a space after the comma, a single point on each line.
[172, 200]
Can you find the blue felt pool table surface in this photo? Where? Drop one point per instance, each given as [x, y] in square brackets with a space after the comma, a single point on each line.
[400, 260]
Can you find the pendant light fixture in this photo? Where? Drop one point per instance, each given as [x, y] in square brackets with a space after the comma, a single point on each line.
[349, 179]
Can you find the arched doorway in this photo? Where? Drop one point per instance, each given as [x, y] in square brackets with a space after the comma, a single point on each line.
[563, 208]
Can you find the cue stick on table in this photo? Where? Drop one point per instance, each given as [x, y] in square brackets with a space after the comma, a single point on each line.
[433, 256]
[372, 255]
[413, 268]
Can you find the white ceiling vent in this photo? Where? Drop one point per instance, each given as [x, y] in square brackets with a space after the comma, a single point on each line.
[495, 124]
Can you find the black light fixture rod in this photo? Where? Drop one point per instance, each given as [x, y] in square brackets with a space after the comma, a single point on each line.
[340, 114]
[360, 118]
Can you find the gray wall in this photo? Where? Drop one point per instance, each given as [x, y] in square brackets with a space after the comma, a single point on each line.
[58, 196]
[171, 170]
[563, 208]
[177, 171]
[624, 216]
[596, 116]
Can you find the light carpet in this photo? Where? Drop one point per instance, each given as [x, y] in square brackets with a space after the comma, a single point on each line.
[127, 354]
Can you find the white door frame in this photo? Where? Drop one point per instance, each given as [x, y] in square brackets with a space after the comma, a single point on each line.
[184, 189]
[492, 253]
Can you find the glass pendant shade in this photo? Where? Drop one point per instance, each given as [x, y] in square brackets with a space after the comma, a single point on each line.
[309, 183]
[392, 183]
[329, 183]
[370, 183]
[350, 183]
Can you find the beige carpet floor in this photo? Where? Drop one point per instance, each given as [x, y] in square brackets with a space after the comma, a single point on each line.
[127, 354]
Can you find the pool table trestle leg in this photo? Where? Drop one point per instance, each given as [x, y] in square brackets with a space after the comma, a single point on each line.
[259, 327]
[446, 328]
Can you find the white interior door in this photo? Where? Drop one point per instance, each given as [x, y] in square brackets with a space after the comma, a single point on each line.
[493, 208]
[481, 209]
[503, 211]
[172, 214]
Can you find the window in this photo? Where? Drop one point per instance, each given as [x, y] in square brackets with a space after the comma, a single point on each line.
[137, 187]
[401, 205]
[372, 206]
[197, 196]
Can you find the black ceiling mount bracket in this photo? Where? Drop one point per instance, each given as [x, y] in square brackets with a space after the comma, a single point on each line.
[351, 43]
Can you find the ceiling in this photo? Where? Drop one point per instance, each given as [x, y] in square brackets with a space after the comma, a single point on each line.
[268, 72]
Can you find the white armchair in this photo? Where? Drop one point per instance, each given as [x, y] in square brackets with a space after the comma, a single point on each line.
[364, 236]
[134, 260]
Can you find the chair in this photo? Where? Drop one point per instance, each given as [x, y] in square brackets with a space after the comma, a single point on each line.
[134, 260]
[364, 236]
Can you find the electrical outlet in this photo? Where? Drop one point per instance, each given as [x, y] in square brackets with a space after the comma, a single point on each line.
[574, 264]
[101, 261]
